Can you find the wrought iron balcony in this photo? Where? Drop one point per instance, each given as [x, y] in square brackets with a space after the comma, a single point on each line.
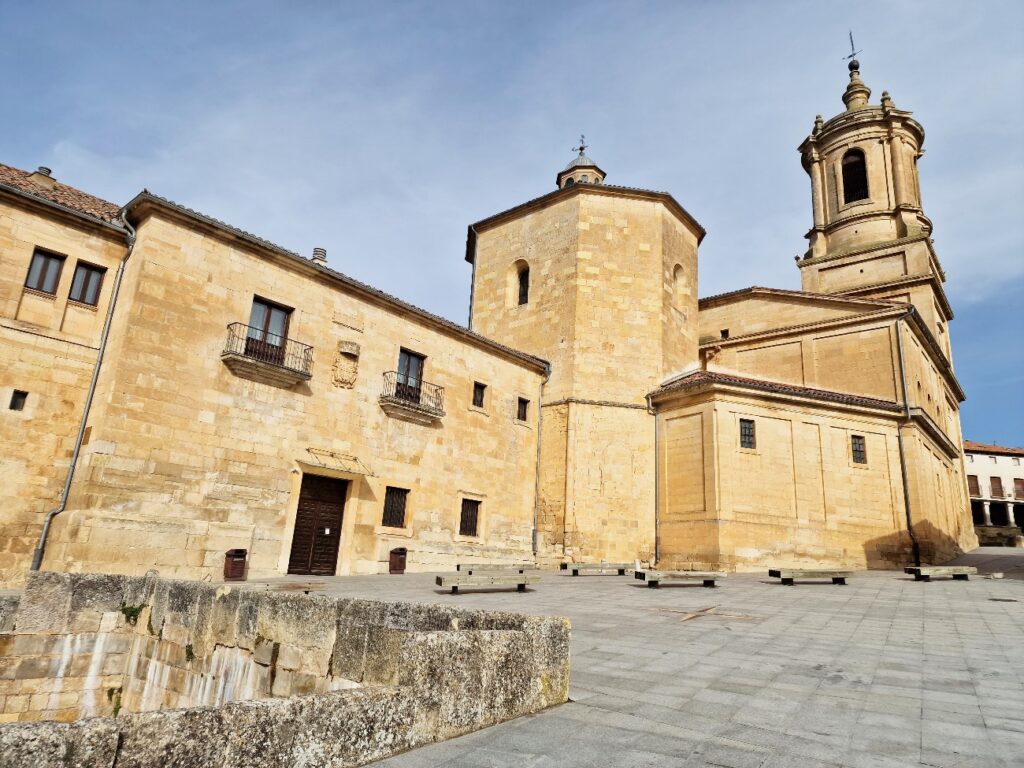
[253, 353]
[412, 398]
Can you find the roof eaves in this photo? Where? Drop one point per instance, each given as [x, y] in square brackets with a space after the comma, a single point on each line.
[363, 288]
[65, 209]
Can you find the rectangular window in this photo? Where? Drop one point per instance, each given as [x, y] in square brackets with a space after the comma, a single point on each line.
[522, 409]
[85, 287]
[970, 458]
[972, 485]
[992, 459]
[44, 271]
[18, 399]
[748, 437]
[409, 384]
[1018, 488]
[478, 394]
[859, 449]
[1016, 461]
[470, 517]
[996, 484]
[394, 507]
[268, 331]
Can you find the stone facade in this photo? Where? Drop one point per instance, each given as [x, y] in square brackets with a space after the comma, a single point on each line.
[591, 411]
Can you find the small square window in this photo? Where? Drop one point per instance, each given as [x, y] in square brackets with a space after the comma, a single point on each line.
[44, 271]
[859, 449]
[470, 518]
[748, 434]
[992, 459]
[85, 286]
[18, 399]
[394, 507]
[1016, 461]
[970, 459]
[724, 333]
[478, 394]
[522, 409]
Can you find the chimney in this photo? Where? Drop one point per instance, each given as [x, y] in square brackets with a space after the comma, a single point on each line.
[43, 177]
[320, 256]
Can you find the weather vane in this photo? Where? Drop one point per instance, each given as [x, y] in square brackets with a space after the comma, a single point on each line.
[582, 147]
[853, 50]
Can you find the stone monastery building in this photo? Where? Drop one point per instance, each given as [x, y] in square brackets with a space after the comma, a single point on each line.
[210, 390]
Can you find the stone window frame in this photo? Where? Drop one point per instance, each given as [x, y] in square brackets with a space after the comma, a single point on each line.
[839, 186]
[859, 449]
[517, 408]
[483, 407]
[481, 518]
[50, 257]
[89, 269]
[406, 532]
[752, 448]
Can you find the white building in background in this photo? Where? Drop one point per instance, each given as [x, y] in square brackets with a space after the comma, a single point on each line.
[995, 477]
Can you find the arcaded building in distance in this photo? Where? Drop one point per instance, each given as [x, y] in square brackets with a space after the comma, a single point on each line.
[210, 390]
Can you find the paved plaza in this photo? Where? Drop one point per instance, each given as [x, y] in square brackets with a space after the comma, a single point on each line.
[882, 672]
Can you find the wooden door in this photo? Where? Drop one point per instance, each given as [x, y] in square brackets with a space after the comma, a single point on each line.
[318, 526]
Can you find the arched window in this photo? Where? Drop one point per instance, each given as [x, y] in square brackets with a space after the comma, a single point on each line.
[524, 284]
[855, 176]
[569, 182]
[678, 287]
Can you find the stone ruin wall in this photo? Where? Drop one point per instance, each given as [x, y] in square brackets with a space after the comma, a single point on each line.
[99, 669]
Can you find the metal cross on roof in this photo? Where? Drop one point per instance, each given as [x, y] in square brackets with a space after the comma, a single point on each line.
[582, 147]
[853, 51]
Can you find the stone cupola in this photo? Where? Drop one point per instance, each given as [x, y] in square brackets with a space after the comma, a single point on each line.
[582, 170]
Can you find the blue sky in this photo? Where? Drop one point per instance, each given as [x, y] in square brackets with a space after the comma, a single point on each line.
[380, 130]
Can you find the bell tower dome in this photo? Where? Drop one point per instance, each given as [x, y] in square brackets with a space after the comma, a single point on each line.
[870, 236]
[582, 170]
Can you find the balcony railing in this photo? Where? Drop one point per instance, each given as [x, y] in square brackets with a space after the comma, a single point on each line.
[412, 395]
[250, 350]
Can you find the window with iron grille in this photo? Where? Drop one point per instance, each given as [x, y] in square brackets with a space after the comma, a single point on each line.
[996, 484]
[85, 286]
[478, 394]
[522, 409]
[18, 399]
[748, 436]
[394, 507]
[972, 485]
[44, 271]
[470, 517]
[859, 449]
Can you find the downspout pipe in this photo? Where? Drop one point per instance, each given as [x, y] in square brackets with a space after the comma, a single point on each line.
[657, 485]
[37, 556]
[536, 475]
[914, 544]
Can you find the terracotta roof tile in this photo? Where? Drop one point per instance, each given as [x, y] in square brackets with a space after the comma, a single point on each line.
[972, 447]
[61, 194]
[699, 378]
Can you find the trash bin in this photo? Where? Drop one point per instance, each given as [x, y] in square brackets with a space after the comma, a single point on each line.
[234, 564]
[396, 563]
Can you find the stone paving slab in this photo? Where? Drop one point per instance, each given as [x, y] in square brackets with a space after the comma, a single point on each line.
[885, 672]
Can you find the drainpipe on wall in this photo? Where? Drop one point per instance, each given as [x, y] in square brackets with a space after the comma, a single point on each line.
[37, 556]
[536, 474]
[657, 487]
[472, 279]
[914, 545]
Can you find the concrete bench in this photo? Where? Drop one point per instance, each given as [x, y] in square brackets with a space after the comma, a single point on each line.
[517, 580]
[654, 578]
[925, 572]
[601, 567]
[788, 575]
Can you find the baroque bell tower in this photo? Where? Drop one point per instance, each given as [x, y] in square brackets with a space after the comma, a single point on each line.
[870, 236]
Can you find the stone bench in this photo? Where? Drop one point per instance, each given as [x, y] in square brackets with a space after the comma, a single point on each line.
[497, 569]
[601, 567]
[925, 572]
[654, 578]
[789, 575]
[517, 580]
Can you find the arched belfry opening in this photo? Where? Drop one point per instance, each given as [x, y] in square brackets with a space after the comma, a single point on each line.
[855, 176]
[519, 283]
